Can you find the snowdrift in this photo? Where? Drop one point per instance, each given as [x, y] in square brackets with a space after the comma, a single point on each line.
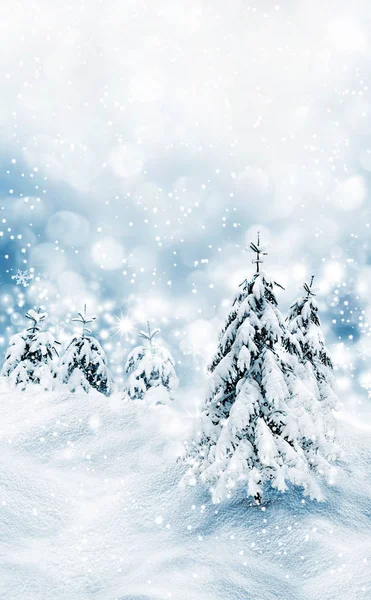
[91, 509]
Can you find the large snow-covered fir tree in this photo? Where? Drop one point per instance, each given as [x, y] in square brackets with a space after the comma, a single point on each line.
[31, 355]
[150, 366]
[84, 363]
[253, 426]
[306, 340]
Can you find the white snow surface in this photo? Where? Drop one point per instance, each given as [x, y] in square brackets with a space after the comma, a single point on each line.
[91, 509]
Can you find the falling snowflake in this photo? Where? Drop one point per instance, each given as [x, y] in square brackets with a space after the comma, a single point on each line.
[22, 277]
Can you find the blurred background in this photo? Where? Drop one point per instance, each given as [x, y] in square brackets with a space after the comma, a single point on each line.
[143, 145]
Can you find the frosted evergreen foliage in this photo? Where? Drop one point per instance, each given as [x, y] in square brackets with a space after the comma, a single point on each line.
[149, 366]
[306, 334]
[84, 364]
[258, 413]
[317, 372]
[31, 356]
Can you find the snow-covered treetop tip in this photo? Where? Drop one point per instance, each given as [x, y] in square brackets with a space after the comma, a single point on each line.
[84, 319]
[150, 335]
[308, 288]
[36, 318]
[259, 251]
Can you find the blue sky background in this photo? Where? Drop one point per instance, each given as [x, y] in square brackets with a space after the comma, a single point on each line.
[144, 144]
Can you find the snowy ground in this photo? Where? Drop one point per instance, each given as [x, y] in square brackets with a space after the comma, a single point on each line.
[90, 509]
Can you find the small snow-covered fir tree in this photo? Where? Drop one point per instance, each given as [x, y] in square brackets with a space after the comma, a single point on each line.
[149, 366]
[31, 356]
[307, 341]
[252, 426]
[84, 364]
[304, 326]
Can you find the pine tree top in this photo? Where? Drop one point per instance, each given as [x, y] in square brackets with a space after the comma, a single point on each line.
[36, 317]
[309, 288]
[255, 301]
[149, 334]
[84, 319]
[259, 251]
[304, 310]
[259, 275]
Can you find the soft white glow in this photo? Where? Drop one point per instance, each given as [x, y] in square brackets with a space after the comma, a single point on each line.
[350, 194]
[124, 326]
[346, 35]
[108, 254]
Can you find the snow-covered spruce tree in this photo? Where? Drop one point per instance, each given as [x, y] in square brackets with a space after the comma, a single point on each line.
[307, 342]
[30, 358]
[84, 364]
[149, 366]
[251, 430]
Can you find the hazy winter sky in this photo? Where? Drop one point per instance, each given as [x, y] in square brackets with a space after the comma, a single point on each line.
[143, 143]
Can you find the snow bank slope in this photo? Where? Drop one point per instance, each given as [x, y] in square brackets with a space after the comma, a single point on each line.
[90, 509]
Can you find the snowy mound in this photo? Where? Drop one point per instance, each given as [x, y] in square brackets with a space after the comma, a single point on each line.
[90, 509]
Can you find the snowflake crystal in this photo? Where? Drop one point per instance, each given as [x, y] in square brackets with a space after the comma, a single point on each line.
[22, 277]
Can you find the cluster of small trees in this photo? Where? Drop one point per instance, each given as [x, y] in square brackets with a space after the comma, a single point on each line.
[33, 358]
[268, 413]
